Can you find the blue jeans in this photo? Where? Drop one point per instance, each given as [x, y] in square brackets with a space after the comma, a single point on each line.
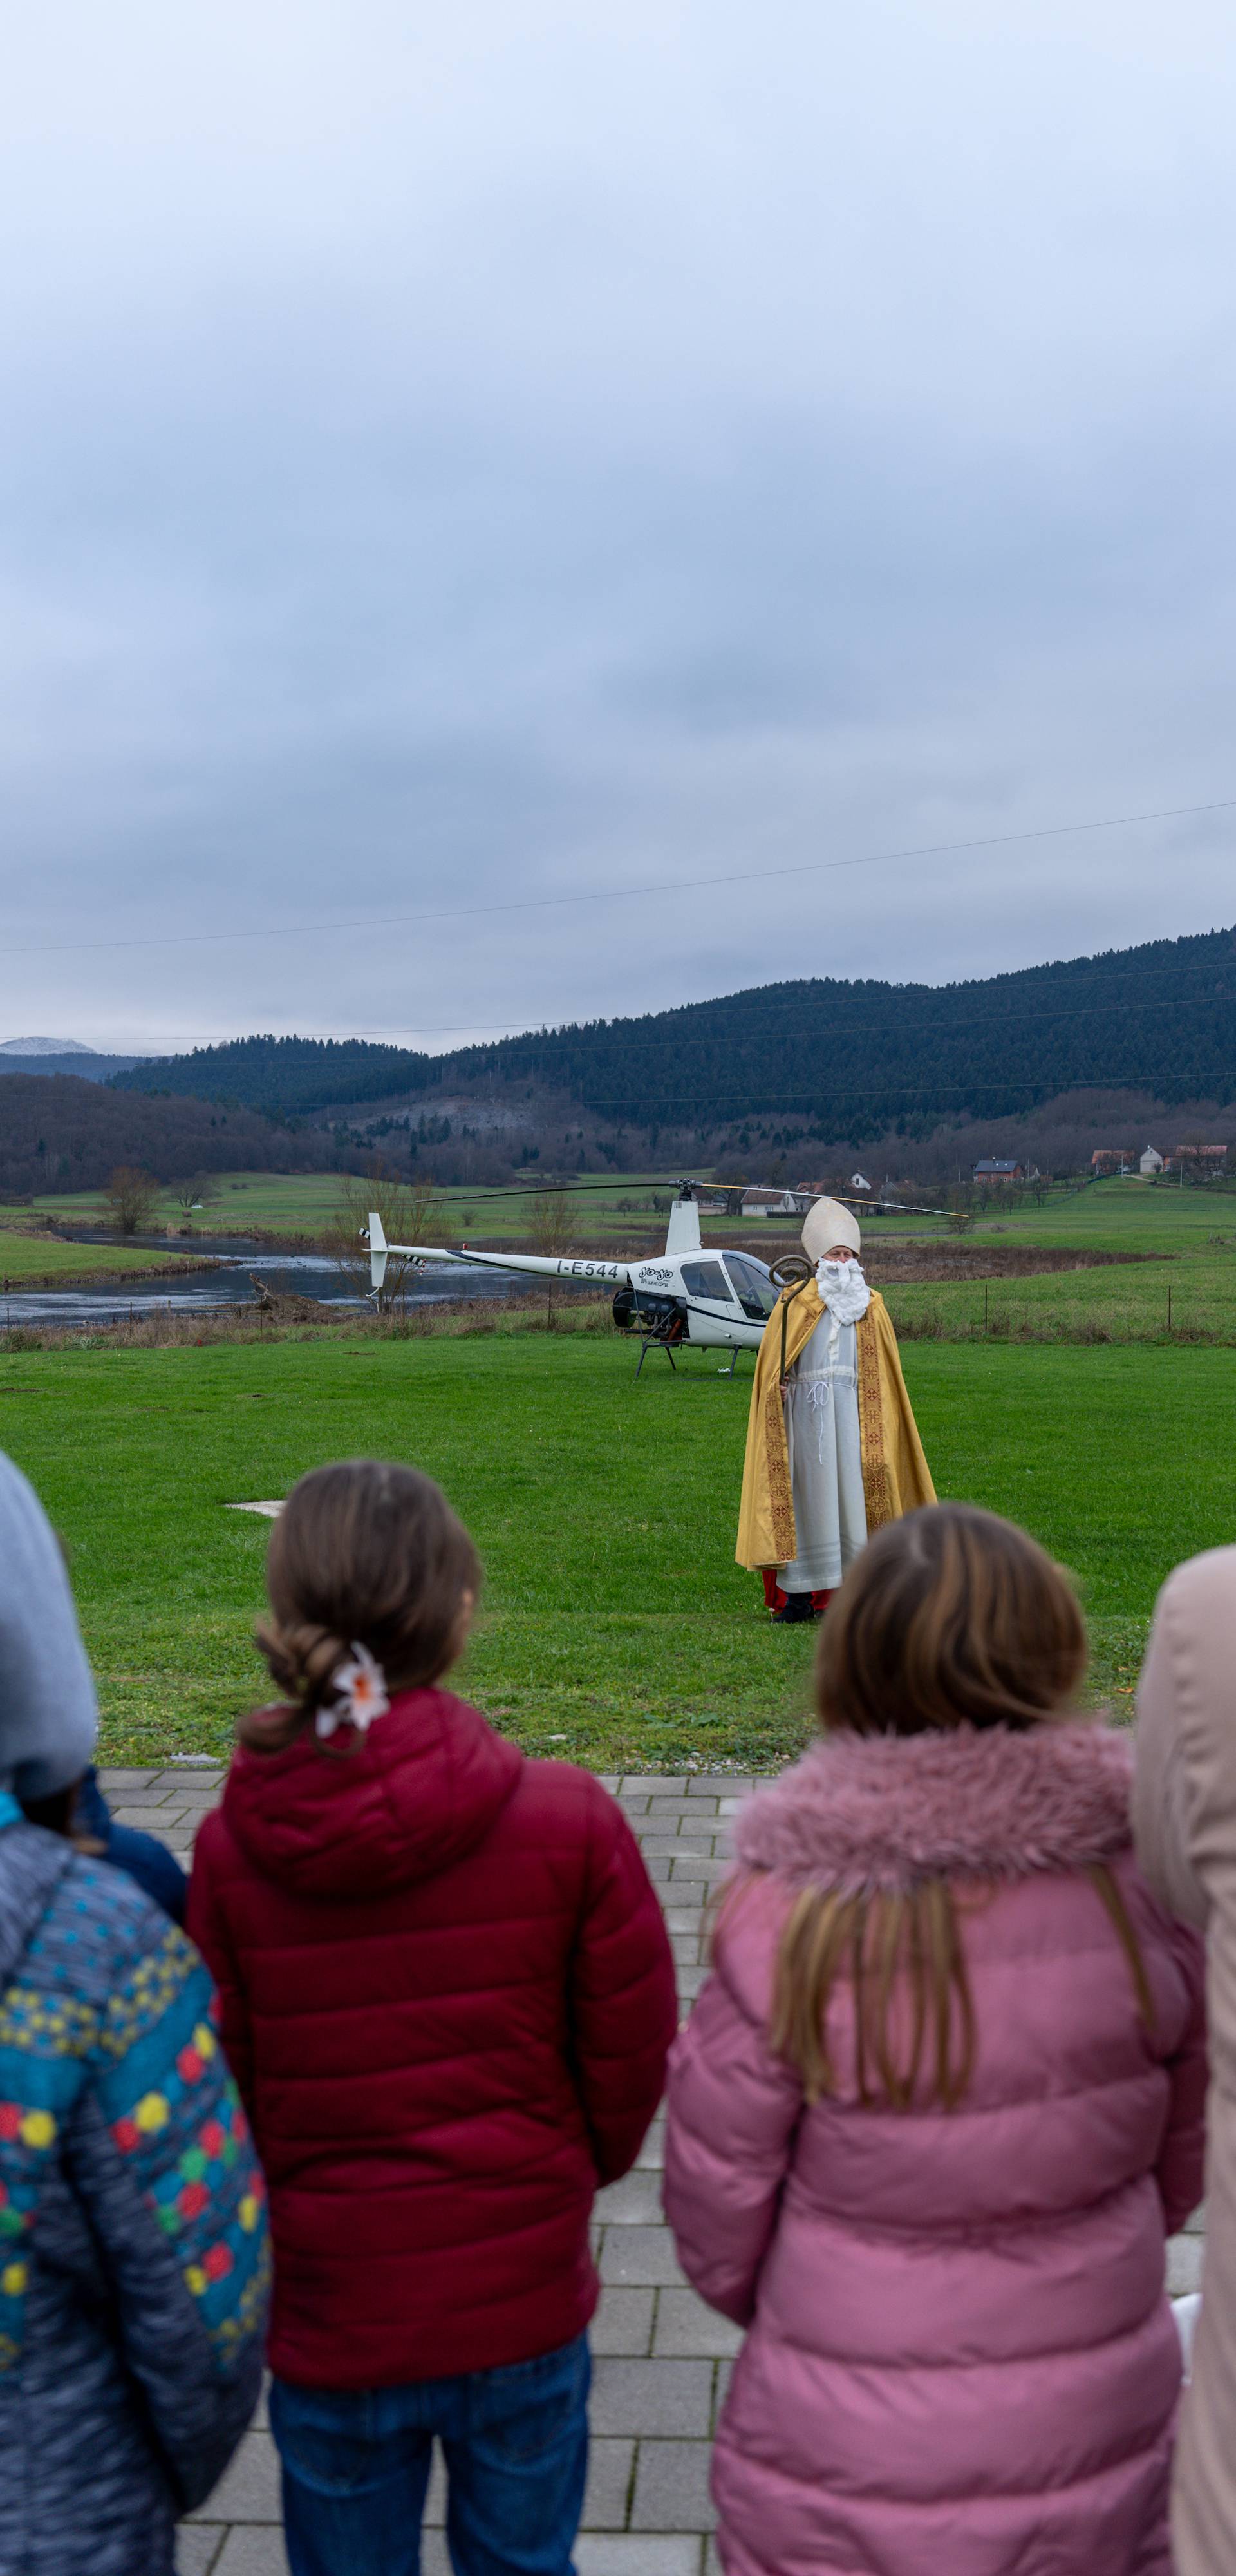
[356, 2466]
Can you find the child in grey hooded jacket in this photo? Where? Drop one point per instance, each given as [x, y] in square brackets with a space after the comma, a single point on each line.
[133, 2250]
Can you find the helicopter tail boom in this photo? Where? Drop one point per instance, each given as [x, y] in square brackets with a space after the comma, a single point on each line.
[526, 1265]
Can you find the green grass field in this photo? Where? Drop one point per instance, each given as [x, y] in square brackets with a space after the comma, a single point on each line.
[295, 1203]
[1193, 1297]
[1104, 1216]
[616, 1627]
[304, 1203]
[1117, 1216]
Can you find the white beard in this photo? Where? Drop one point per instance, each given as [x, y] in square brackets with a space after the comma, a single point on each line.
[844, 1290]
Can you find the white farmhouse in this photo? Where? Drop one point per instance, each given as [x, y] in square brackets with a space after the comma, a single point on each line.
[1151, 1162]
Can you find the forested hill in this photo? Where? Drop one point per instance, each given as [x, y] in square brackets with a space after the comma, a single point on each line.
[285, 1077]
[58, 1132]
[1159, 1019]
[84, 1067]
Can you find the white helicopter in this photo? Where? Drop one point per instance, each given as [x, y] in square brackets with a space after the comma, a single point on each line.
[688, 1294]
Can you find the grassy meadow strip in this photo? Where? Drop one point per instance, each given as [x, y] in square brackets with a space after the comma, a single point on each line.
[297, 1208]
[1190, 1299]
[34, 1259]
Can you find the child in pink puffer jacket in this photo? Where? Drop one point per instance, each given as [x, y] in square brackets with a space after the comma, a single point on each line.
[940, 2101]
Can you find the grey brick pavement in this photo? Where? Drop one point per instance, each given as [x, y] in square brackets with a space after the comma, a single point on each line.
[661, 2358]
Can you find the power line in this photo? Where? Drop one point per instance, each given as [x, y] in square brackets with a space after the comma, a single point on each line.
[624, 893]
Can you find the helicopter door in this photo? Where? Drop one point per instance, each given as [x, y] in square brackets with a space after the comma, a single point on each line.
[707, 1279]
[706, 1286]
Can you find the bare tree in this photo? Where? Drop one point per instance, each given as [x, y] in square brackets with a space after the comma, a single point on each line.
[200, 1190]
[411, 1212]
[131, 1198]
[551, 1231]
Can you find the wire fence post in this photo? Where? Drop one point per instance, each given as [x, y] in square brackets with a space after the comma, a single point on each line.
[1169, 1308]
[985, 1297]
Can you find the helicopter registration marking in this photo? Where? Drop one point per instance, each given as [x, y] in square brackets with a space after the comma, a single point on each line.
[588, 1270]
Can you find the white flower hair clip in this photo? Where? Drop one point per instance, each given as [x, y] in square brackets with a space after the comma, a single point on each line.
[359, 1694]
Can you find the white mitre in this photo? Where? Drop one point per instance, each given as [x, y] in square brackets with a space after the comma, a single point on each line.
[829, 1222]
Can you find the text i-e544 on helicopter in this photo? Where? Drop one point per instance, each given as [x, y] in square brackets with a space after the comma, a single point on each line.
[686, 1294]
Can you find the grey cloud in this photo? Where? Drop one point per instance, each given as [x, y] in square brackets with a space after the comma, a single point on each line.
[460, 462]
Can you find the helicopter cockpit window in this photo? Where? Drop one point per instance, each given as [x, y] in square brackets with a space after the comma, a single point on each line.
[706, 1279]
[756, 1292]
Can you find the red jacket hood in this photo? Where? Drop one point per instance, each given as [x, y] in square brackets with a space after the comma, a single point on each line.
[420, 1789]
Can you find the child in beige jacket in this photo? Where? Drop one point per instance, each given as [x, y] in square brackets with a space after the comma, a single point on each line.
[1184, 1815]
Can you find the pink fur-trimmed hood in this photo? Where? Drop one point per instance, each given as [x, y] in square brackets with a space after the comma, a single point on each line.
[886, 1811]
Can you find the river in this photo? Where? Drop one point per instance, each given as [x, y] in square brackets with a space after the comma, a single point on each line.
[230, 1283]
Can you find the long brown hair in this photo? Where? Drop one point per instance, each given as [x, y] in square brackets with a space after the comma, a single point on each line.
[950, 1617]
[363, 1553]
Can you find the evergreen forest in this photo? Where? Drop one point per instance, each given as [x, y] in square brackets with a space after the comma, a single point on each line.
[858, 1059]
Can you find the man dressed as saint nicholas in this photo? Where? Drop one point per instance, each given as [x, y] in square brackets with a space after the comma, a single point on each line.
[832, 1446]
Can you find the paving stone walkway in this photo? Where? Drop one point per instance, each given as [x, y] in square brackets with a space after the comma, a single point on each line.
[661, 2358]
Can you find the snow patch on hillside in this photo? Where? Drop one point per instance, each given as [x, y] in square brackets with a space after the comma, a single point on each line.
[44, 1046]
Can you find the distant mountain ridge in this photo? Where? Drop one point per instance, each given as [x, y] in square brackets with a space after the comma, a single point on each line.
[851, 1058]
[47, 1056]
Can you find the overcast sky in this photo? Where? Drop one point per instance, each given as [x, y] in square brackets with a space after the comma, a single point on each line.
[457, 456]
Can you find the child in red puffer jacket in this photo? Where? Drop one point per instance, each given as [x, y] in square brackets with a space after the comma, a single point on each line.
[448, 1997]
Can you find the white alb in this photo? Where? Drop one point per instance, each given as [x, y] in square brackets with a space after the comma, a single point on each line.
[822, 1436]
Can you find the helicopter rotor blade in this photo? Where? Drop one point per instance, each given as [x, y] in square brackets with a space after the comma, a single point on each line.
[844, 1198]
[567, 1188]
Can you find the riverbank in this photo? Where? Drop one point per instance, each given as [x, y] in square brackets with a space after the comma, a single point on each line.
[248, 1321]
[1154, 1301]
